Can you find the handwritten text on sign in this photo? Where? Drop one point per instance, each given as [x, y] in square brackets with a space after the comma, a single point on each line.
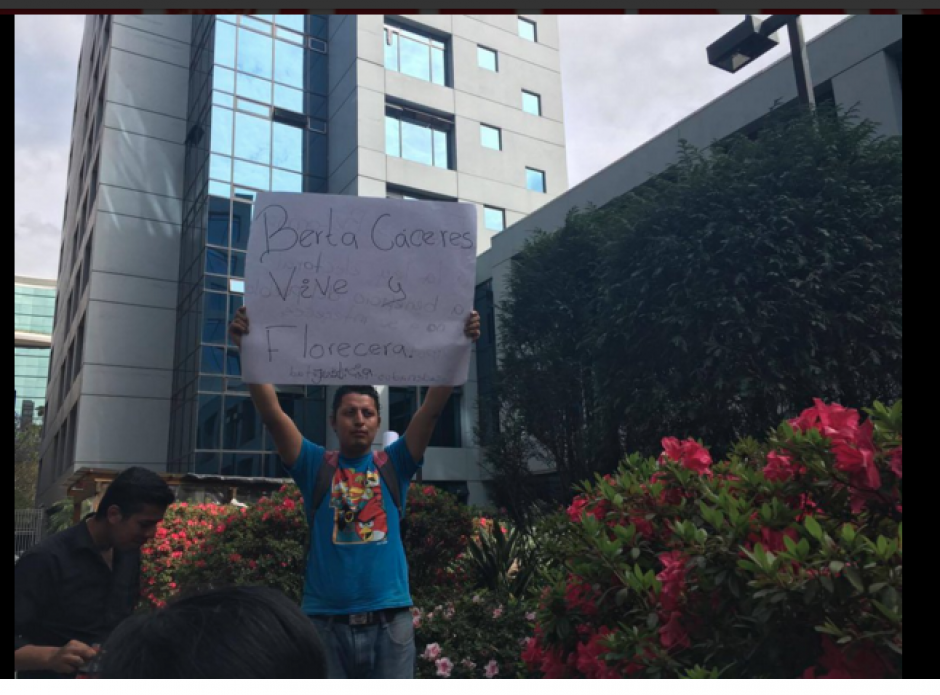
[346, 290]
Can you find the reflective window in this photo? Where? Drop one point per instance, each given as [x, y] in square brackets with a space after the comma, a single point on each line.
[392, 137]
[289, 64]
[223, 79]
[252, 139]
[490, 137]
[287, 147]
[527, 29]
[216, 261]
[291, 21]
[487, 59]
[252, 175]
[288, 98]
[242, 429]
[415, 54]
[209, 420]
[225, 44]
[286, 181]
[255, 54]
[532, 103]
[217, 232]
[220, 167]
[535, 180]
[222, 120]
[494, 218]
[241, 225]
[214, 320]
[254, 88]
[418, 142]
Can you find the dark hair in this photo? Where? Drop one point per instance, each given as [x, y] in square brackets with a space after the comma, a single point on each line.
[232, 632]
[132, 489]
[364, 390]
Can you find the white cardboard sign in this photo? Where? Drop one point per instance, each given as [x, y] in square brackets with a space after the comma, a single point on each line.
[347, 290]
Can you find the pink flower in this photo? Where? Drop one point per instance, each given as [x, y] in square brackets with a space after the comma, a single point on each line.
[577, 508]
[780, 468]
[689, 453]
[444, 667]
[467, 664]
[672, 634]
[289, 504]
[833, 421]
[476, 598]
[896, 467]
[671, 449]
[492, 668]
[498, 612]
[530, 617]
[432, 651]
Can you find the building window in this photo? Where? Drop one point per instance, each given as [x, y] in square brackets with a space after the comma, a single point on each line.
[531, 103]
[410, 194]
[416, 55]
[402, 405]
[417, 136]
[491, 137]
[527, 30]
[447, 431]
[494, 218]
[487, 59]
[535, 180]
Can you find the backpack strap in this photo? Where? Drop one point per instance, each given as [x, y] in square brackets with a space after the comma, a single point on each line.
[330, 463]
[324, 480]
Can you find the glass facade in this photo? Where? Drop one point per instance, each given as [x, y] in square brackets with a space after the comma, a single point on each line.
[257, 122]
[33, 311]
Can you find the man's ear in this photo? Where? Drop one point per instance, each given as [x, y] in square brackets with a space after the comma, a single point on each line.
[115, 514]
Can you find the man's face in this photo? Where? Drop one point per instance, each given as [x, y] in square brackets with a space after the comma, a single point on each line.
[131, 532]
[356, 423]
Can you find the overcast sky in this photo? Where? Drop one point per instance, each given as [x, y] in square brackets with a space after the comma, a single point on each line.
[625, 80]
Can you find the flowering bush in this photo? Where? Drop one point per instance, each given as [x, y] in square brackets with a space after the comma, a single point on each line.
[436, 531]
[478, 635]
[184, 527]
[784, 561]
[200, 545]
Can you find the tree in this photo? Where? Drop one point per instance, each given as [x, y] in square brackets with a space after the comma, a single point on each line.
[26, 463]
[715, 299]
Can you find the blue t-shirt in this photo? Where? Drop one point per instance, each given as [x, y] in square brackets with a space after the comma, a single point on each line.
[357, 561]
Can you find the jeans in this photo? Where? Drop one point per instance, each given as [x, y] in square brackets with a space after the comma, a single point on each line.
[382, 650]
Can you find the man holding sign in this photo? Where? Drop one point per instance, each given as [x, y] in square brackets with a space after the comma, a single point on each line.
[343, 290]
[356, 588]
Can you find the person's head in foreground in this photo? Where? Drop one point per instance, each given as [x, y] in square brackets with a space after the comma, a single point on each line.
[233, 632]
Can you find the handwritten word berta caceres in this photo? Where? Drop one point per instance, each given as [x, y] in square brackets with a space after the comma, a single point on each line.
[280, 236]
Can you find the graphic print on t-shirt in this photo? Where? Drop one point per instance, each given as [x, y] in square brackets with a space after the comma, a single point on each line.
[358, 514]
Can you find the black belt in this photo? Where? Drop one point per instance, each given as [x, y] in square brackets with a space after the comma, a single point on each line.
[359, 619]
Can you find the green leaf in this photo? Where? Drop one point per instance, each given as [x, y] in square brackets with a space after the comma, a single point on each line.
[852, 574]
[815, 530]
[848, 533]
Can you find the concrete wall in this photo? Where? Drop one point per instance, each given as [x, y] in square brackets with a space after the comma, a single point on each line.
[128, 305]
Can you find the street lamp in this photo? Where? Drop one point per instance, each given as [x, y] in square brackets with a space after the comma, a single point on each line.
[753, 38]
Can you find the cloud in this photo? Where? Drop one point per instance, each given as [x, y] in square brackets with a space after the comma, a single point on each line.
[625, 79]
[46, 59]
